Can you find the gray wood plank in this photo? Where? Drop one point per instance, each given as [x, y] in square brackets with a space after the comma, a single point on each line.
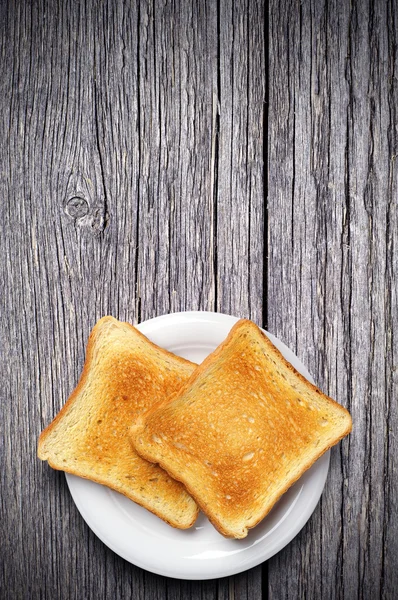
[182, 226]
[332, 231]
[240, 189]
[239, 218]
[178, 73]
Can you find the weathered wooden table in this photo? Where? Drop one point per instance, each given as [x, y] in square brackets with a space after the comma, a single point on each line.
[229, 156]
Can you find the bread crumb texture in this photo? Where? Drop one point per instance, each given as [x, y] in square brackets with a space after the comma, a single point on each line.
[124, 375]
[242, 431]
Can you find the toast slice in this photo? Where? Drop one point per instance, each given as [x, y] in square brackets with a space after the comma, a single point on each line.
[242, 430]
[124, 375]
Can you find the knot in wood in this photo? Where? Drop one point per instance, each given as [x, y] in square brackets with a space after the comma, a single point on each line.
[76, 207]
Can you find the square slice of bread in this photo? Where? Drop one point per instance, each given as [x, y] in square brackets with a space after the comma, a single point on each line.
[242, 430]
[123, 376]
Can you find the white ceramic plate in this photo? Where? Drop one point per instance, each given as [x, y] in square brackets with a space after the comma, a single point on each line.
[200, 552]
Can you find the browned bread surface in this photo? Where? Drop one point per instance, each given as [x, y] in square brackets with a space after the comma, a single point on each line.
[124, 375]
[242, 430]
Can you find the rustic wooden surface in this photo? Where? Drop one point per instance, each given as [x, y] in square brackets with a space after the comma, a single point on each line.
[230, 156]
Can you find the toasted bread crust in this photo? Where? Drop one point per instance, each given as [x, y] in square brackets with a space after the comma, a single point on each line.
[123, 374]
[230, 455]
[97, 330]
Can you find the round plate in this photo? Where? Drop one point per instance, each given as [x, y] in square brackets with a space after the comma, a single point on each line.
[200, 552]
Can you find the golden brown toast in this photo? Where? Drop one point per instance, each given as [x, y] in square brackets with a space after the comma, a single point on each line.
[241, 431]
[124, 375]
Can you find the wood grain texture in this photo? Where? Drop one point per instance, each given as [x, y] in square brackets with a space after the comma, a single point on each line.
[111, 121]
[332, 285]
[241, 140]
[146, 167]
[176, 99]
